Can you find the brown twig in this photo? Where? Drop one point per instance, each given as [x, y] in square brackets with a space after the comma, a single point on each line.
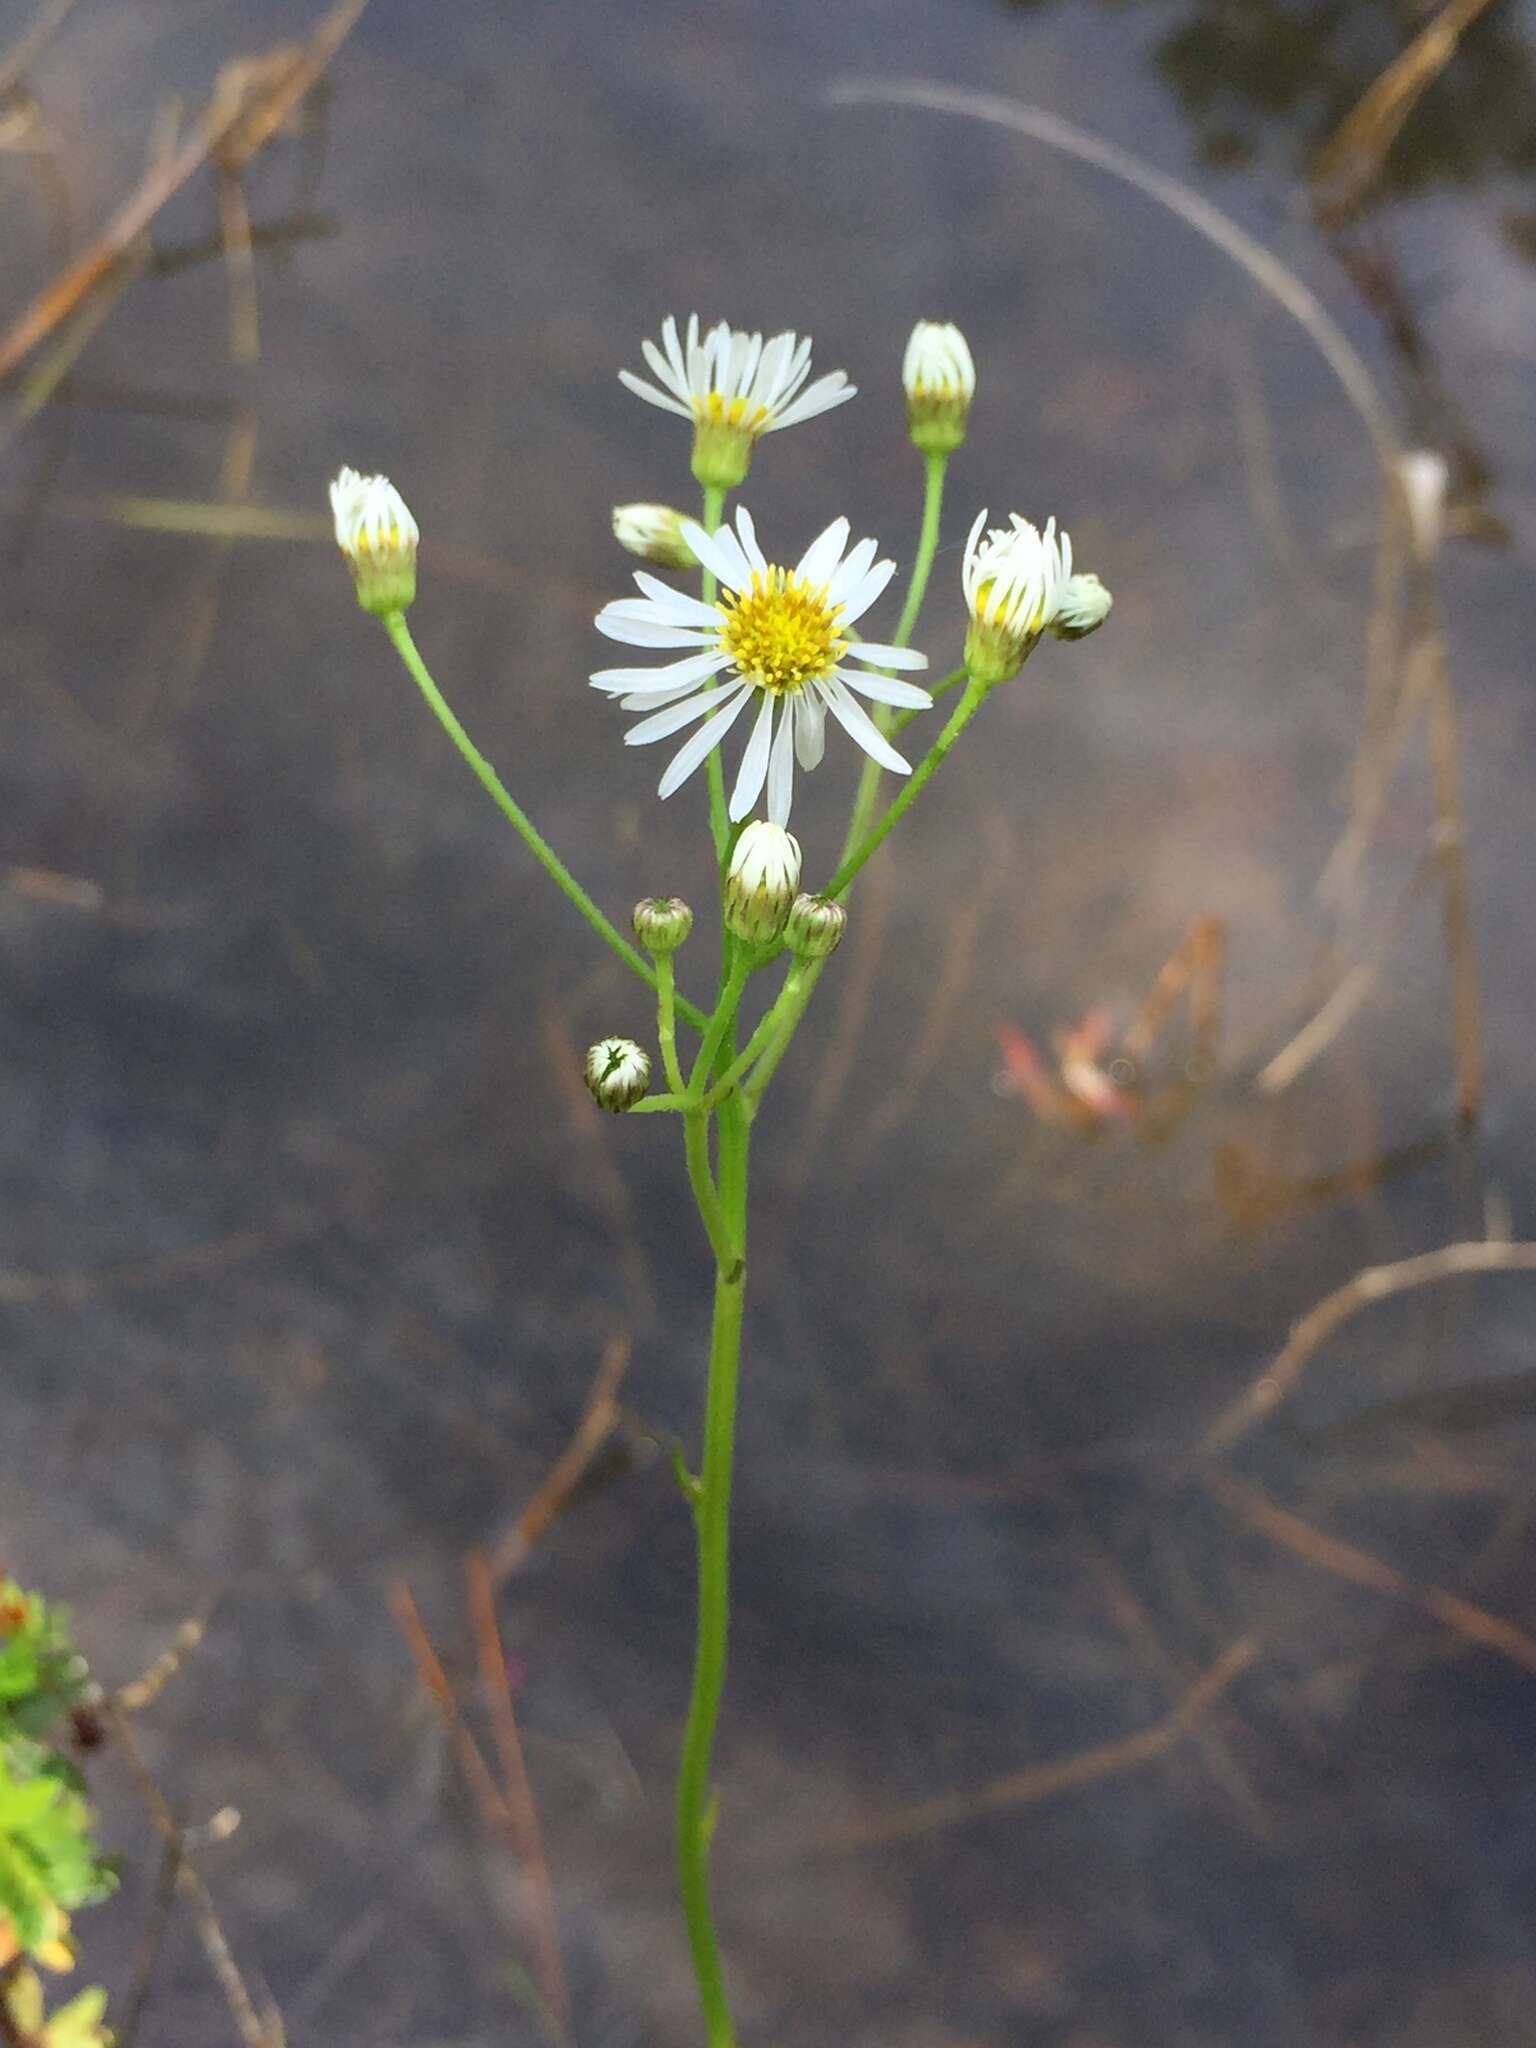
[255, 2031]
[231, 125]
[1346, 1561]
[1375, 1283]
[493, 1803]
[1046, 1781]
[518, 1794]
[142, 1692]
[598, 1419]
[129, 2010]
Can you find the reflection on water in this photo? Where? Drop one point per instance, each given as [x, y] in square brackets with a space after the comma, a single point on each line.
[311, 1249]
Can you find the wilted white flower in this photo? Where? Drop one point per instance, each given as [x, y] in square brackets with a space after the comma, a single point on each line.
[734, 386]
[617, 1073]
[761, 882]
[1083, 607]
[1423, 476]
[654, 532]
[780, 635]
[1013, 580]
[378, 536]
[940, 381]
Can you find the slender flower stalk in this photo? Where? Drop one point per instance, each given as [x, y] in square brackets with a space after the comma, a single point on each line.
[936, 465]
[517, 817]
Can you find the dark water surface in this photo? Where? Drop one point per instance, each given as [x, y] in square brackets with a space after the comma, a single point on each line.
[309, 1251]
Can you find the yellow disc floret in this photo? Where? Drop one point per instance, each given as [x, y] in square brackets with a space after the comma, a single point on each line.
[782, 633]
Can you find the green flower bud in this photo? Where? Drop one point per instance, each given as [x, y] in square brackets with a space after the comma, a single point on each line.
[815, 928]
[761, 882]
[378, 536]
[655, 533]
[662, 923]
[617, 1072]
[940, 380]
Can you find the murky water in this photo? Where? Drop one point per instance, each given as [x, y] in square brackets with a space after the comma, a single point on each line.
[309, 1250]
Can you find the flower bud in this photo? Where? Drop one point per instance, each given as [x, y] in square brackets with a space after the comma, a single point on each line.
[940, 381]
[1084, 606]
[761, 883]
[655, 533]
[815, 928]
[662, 923]
[618, 1073]
[378, 536]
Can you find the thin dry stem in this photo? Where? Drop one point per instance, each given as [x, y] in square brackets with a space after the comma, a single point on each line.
[1375, 1283]
[1347, 1561]
[1047, 1781]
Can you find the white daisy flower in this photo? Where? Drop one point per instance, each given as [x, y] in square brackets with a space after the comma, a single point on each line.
[378, 536]
[734, 386]
[1013, 579]
[654, 533]
[1084, 606]
[777, 635]
[939, 377]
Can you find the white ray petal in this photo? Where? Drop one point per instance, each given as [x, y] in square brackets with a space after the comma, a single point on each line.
[692, 669]
[816, 565]
[652, 396]
[747, 529]
[817, 398]
[677, 604]
[887, 657]
[885, 690]
[859, 726]
[863, 594]
[810, 728]
[720, 552]
[781, 773]
[709, 736]
[640, 633]
[754, 762]
[673, 719]
[851, 572]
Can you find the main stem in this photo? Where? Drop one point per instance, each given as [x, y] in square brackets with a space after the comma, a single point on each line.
[518, 818]
[712, 1524]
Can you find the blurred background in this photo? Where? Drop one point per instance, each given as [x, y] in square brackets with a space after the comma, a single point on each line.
[1070, 1705]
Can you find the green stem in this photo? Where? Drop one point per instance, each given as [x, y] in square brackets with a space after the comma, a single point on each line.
[711, 1214]
[719, 824]
[927, 545]
[785, 1003]
[806, 977]
[940, 689]
[922, 563]
[712, 1524]
[666, 1022]
[911, 789]
[518, 818]
[719, 1025]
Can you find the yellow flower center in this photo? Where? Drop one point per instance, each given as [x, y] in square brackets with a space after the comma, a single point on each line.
[782, 633]
[716, 410]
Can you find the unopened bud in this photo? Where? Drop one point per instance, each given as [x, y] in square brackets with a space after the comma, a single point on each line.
[1083, 607]
[662, 923]
[655, 533]
[815, 928]
[762, 882]
[618, 1073]
[378, 536]
[940, 381]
